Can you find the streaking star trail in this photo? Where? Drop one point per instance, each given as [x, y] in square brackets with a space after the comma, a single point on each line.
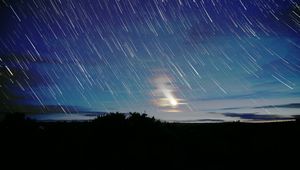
[178, 60]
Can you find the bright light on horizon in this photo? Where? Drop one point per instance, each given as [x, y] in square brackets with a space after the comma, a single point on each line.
[164, 93]
[173, 102]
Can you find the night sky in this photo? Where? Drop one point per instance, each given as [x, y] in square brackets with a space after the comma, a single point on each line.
[176, 60]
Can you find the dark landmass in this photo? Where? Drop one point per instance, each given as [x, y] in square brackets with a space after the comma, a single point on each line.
[137, 141]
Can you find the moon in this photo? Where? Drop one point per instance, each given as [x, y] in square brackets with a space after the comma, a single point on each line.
[173, 102]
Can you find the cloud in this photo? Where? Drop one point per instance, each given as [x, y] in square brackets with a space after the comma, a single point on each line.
[15, 76]
[290, 105]
[296, 117]
[66, 117]
[51, 112]
[35, 109]
[254, 116]
[200, 121]
[16, 82]
[253, 95]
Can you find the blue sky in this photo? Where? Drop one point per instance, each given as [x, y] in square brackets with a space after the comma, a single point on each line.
[176, 60]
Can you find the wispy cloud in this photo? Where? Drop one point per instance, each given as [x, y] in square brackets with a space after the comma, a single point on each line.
[290, 105]
[253, 95]
[200, 121]
[35, 109]
[257, 117]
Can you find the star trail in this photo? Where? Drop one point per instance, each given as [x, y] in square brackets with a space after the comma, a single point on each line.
[176, 60]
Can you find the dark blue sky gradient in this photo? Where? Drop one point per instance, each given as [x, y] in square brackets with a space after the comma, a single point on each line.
[176, 60]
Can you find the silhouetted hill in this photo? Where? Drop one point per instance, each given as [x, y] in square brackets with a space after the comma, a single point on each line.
[137, 141]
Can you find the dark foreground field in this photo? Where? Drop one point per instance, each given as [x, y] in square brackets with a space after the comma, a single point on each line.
[142, 142]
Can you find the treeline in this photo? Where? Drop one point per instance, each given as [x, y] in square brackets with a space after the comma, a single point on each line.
[117, 140]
